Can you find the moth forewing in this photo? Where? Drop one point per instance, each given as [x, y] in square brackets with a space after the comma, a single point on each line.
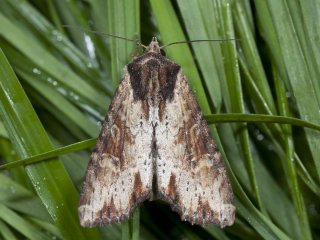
[155, 140]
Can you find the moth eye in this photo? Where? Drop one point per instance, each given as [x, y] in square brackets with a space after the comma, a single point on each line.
[163, 53]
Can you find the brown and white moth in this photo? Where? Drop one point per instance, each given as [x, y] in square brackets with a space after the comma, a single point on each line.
[154, 143]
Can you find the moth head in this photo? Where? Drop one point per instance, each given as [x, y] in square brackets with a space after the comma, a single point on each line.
[153, 46]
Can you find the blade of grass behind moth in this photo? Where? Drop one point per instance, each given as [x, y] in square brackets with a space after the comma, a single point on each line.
[62, 106]
[251, 54]
[72, 13]
[8, 155]
[270, 36]
[21, 199]
[51, 118]
[248, 12]
[302, 32]
[6, 232]
[268, 33]
[259, 222]
[259, 118]
[51, 154]
[26, 204]
[200, 26]
[100, 23]
[91, 43]
[258, 102]
[99, 16]
[311, 16]
[275, 128]
[217, 233]
[124, 21]
[39, 23]
[289, 163]
[274, 132]
[20, 224]
[25, 66]
[49, 179]
[49, 228]
[299, 75]
[235, 92]
[38, 81]
[44, 60]
[277, 202]
[3, 132]
[53, 16]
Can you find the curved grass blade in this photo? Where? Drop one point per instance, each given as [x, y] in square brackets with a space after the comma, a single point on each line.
[51, 154]
[259, 118]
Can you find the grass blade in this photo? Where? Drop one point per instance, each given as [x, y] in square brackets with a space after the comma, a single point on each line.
[49, 179]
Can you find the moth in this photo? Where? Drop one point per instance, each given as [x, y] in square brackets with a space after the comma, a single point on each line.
[154, 143]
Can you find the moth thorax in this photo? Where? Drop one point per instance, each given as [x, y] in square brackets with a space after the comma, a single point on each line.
[154, 88]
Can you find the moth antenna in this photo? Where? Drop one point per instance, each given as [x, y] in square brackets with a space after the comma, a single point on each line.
[201, 40]
[103, 34]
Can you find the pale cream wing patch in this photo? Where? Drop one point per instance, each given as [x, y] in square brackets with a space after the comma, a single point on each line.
[119, 174]
[191, 175]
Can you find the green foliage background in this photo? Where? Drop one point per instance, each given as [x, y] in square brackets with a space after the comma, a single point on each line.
[56, 84]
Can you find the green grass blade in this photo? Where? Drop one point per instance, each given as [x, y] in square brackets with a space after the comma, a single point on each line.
[208, 54]
[300, 77]
[49, 179]
[6, 232]
[259, 118]
[251, 54]
[234, 88]
[288, 163]
[51, 154]
[46, 62]
[123, 18]
[20, 224]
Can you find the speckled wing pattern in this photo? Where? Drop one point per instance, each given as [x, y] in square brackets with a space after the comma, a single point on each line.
[191, 176]
[154, 143]
[119, 174]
